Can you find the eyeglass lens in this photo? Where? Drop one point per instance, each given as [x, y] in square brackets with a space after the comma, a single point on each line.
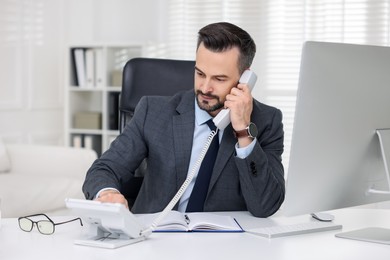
[44, 226]
[25, 224]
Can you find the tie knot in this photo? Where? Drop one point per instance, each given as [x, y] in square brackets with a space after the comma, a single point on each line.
[211, 124]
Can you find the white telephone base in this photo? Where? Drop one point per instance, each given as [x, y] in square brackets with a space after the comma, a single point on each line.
[105, 242]
[111, 225]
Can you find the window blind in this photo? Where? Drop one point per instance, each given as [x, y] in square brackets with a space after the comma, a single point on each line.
[279, 28]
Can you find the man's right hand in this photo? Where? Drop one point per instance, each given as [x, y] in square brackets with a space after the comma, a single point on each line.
[112, 196]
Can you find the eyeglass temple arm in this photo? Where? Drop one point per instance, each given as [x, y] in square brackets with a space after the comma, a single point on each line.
[41, 214]
[59, 223]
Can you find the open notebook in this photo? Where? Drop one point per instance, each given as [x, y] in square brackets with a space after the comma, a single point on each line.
[192, 222]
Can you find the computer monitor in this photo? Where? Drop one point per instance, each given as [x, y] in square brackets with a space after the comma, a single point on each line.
[343, 98]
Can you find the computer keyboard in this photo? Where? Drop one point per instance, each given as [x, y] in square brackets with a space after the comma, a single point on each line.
[294, 229]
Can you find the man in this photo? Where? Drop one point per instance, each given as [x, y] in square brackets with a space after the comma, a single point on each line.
[171, 131]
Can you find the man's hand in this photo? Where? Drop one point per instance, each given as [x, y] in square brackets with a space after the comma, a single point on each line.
[240, 103]
[112, 196]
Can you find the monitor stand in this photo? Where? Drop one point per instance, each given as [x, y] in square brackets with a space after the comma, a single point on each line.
[370, 234]
[375, 234]
[384, 142]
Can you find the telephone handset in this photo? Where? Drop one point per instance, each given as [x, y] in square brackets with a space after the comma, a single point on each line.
[222, 120]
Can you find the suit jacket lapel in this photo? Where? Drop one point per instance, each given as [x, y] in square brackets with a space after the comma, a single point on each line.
[226, 149]
[183, 125]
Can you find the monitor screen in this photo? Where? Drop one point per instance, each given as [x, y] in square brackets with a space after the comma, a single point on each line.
[343, 98]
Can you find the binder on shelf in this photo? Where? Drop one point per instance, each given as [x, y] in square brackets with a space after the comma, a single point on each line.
[93, 142]
[79, 58]
[99, 68]
[89, 141]
[73, 71]
[113, 111]
[77, 141]
[87, 120]
[90, 68]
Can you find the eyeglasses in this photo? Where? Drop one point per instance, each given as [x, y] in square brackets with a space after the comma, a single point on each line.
[46, 227]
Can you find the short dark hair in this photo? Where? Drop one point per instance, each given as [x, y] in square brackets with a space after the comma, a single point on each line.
[222, 36]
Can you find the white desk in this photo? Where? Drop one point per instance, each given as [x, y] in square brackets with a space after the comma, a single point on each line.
[16, 244]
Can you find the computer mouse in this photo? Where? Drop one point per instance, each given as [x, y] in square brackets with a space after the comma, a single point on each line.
[323, 216]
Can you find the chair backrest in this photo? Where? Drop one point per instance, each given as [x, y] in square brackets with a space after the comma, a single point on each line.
[148, 76]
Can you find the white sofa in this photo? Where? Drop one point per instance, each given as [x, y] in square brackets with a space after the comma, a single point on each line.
[37, 178]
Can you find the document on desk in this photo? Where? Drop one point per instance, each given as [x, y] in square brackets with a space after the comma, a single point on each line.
[192, 222]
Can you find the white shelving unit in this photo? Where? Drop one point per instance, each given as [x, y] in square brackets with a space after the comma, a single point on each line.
[91, 109]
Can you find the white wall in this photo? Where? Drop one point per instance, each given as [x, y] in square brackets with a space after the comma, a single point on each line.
[114, 20]
[33, 48]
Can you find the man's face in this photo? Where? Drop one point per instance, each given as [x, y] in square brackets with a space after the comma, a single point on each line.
[216, 73]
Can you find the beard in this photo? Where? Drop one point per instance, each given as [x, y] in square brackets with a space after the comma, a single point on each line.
[205, 105]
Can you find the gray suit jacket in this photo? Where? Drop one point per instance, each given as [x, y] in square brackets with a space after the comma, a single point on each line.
[162, 132]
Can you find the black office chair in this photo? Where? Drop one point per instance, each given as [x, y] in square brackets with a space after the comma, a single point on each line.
[145, 77]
